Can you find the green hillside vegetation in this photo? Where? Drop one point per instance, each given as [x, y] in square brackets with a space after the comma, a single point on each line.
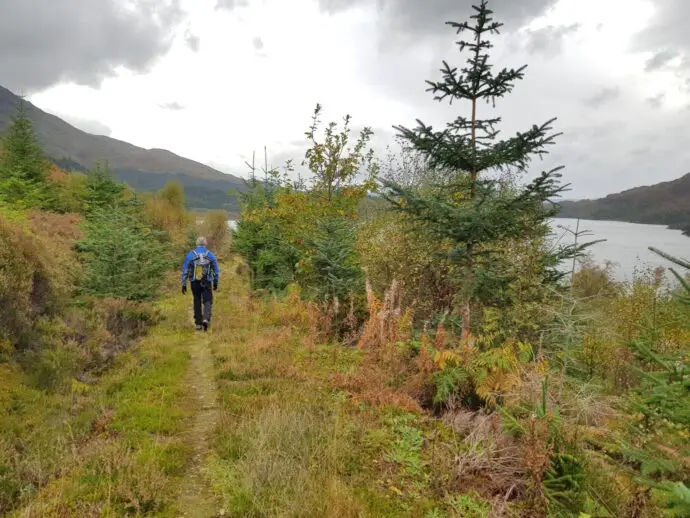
[416, 354]
[666, 203]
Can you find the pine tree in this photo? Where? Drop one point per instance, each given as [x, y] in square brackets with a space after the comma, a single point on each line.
[336, 269]
[23, 168]
[124, 259]
[102, 191]
[471, 207]
[258, 237]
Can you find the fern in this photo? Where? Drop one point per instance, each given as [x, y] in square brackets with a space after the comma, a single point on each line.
[450, 382]
[563, 483]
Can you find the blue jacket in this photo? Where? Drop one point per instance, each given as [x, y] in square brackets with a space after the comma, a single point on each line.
[214, 272]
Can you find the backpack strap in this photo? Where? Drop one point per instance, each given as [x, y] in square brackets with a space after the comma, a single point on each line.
[190, 267]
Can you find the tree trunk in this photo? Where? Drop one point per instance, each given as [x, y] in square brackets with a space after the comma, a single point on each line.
[469, 271]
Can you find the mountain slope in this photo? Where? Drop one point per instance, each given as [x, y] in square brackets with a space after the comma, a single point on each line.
[666, 203]
[143, 169]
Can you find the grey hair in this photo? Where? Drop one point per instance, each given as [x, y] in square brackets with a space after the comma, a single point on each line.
[201, 241]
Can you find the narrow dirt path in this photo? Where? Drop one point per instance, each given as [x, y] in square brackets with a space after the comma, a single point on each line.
[196, 498]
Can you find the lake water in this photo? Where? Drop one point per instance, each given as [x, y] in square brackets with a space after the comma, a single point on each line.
[627, 243]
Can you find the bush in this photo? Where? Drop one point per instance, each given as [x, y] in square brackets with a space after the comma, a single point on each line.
[66, 192]
[31, 282]
[391, 250]
[165, 212]
[215, 228]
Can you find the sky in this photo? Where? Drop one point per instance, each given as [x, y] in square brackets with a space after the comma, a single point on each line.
[216, 80]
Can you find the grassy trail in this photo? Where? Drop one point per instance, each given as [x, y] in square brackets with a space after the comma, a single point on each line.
[196, 499]
[248, 420]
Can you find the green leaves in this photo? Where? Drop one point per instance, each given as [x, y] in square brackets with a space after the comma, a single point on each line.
[333, 162]
[301, 231]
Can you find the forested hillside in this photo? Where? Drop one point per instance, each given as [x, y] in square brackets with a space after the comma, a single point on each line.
[666, 203]
[421, 356]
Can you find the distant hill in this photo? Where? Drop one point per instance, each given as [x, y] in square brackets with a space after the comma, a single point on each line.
[143, 169]
[666, 203]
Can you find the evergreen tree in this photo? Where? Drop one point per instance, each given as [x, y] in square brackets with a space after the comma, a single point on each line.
[102, 191]
[23, 168]
[258, 237]
[124, 259]
[657, 441]
[336, 269]
[471, 207]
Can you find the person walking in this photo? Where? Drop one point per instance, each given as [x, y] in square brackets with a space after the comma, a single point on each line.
[201, 269]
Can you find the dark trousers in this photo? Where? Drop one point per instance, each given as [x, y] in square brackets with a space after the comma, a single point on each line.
[203, 298]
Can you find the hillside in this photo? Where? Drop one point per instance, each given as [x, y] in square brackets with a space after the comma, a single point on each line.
[143, 169]
[666, 203]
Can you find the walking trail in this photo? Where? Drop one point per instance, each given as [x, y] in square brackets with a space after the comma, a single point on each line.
[196, 498]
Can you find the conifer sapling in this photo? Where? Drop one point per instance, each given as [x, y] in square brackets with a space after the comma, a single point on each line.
[471, 207]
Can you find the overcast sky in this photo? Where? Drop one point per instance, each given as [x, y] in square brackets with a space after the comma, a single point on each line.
[213, 80]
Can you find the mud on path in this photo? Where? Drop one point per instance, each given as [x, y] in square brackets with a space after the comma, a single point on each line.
[196, 497]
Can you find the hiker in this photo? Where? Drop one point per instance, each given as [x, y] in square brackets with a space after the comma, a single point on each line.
[201, 268]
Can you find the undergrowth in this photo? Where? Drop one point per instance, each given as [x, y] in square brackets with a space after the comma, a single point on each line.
[108, 448]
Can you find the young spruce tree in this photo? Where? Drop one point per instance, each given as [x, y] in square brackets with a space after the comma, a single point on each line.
[103, 192]
[23, 168]
[471, 207]
[124, 258]
[657, 445]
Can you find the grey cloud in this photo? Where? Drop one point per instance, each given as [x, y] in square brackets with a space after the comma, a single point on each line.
[421, 19]
[173, 106]
[258, 43]
[603, 96]
[656, 101]
[600, 146]
[660, 59]
[192, 40]
[88, 125]
[43, 43]
[666, 35]
[622, 157]
[231, 4]
[549, 40]
[667, 29]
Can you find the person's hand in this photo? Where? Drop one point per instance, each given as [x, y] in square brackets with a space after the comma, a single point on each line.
[215, 287]
[184, 289]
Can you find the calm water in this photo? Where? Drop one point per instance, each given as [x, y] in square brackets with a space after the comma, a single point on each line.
[626, 243]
